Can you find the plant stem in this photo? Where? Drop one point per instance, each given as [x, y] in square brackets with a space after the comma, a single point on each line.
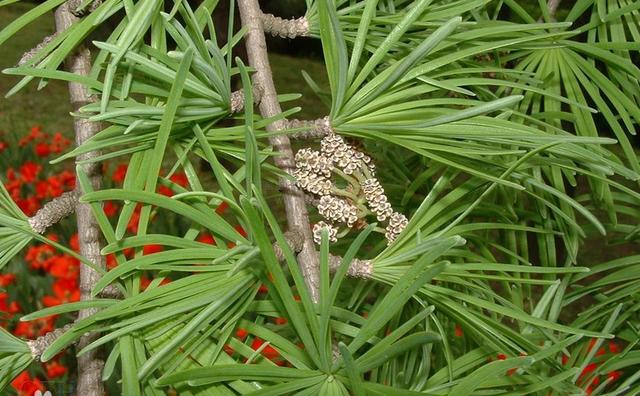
[296, 210]
[553, 5]
[90, 364]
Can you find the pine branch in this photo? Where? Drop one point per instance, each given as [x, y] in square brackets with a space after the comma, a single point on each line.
[54, 211]
[314, 129]
[90, 364]
[553, 5]
[297, 217]
[362, 269]
[40, 344]
[285, 28]
[27, 56]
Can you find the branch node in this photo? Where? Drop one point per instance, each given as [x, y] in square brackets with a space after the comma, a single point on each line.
[40, 344]
[314, 129]
[361, 269]
[285, 28]
[54, 211]
[27, 56]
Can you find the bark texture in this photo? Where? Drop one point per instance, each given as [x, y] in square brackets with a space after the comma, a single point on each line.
[285, 28]
[90, 364]
[297, 217]
[54, 211]
[553, 5]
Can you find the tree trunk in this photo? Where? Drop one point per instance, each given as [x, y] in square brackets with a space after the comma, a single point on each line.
[294, 202]
[90, 364]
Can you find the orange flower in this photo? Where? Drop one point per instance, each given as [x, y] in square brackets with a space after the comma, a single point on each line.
[614, 376]
[241, 333]
[65, 267]
[268, 351]
[27, 386]
[119, 174]
[151, 249]
[64, 290]
[7, 279]
[241, 231]
[206, 238]
[55, 369]
[29, 171]
[42, 150]
[74, 242]
[457, 331]
[614, 348]
[38, 255]
[110, 209]
[8, 309]
[222, 207]
[35, 328]
[29, 205]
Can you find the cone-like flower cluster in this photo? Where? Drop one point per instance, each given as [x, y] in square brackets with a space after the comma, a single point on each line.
[313, 173]
[317, 232]
[397, 223]
[375, 196]
[338, 210]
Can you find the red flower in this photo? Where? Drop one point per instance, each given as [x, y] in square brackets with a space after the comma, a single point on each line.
[614, 348]
[36, 133]
[3, 146]
[29, 206]
[29, 171]
[111, 262]
[222, 207]
[280, 321]
[7, 279]
[150, 249]
[55, 369]
[588, 369]
[59, 143]
[206, 238]
[68, 179]
[74, 242]
[614, 376]
[241, 333]
[179, 179]
[241, 231]
[65, 267]
[38, 256]
[268, 351]
[65, 291]
[110, 209]
[263, 289]
[501, 356]
[134, 220]
[565, 359]
[457, 331]
[8, 309]
[42, 150]
[119, 174]
[26, 386]
[228, 349]
[35, 328]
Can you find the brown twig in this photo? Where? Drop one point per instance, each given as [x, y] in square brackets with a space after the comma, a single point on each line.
[54, 211]
[40, 344]
[297, 217]
[552, 6]
[285, 28]
[90, 364]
